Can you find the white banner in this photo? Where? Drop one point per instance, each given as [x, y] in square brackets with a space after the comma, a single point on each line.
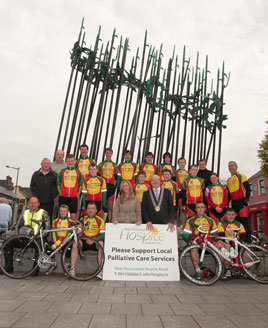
[134, 253]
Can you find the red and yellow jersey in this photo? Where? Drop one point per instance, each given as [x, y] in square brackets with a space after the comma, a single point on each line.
[181, 175]
[60, 223]
[93, 227]
[192, 224]
[173, 187]
[82, 164]
[235, 186]
[149, 170]
[95, 189]
[226, 227]
[139, 189]
[169, 167]
[69, 182]
[216, 196]
[194, 187]
[107, 170]
[126, 171]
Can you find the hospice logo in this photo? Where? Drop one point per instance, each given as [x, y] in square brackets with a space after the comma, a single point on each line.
[143, 236]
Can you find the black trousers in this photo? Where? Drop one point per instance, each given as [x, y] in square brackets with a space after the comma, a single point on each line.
[238, 205]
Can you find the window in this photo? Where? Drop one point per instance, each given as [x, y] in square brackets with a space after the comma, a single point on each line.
[261, 187]
[251, 190]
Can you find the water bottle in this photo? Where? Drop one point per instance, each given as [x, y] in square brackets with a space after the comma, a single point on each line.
[232, 252]
[225, 252]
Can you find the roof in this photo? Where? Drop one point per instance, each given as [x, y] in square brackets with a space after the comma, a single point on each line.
[10, 194]
[256, 175]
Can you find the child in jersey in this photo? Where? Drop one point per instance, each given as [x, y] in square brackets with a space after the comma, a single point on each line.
[63, 221]
[126, 170]
[148, 167]
[172, 186]
[107, 170]
[167, 158]
[192, 192]
[225, 230]
[140, 187]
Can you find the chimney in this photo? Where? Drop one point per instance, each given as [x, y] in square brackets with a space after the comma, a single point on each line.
[9, 183]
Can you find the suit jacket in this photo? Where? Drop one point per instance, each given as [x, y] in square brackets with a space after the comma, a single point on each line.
[165, 215]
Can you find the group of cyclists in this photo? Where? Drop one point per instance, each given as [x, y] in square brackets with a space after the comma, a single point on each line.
[87, 191]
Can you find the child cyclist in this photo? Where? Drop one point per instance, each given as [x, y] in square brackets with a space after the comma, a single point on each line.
[94, 227]
[63, 221]
[225, 230]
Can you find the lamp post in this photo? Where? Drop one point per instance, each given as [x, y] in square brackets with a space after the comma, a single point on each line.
[15, 213]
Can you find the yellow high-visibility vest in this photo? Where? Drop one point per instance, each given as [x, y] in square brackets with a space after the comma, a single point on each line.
[37, 216]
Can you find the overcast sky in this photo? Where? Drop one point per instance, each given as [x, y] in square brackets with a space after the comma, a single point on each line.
[36, 37]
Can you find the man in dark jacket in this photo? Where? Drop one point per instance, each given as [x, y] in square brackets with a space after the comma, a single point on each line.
[203, 172]
[157, 206]
[43, 186]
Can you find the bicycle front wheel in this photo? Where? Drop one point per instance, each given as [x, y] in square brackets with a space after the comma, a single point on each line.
[255, 261]
[210, 267]
[88, 256]
[19, 256]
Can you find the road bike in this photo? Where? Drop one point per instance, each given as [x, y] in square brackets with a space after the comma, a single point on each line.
[251, 259]
[30, 252]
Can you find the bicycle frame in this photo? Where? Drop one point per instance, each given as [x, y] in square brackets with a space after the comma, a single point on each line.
[205, 242]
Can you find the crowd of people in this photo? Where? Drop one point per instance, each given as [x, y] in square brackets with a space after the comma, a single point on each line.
[72, 189]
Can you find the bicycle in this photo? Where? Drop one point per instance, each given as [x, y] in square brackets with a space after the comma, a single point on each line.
[252, 259]
[258, 240]
[32, 252]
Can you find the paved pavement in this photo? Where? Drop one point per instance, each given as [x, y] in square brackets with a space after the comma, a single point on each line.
[55, 301]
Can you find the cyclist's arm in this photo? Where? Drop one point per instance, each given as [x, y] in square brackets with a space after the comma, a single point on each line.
[46, 225]
[247, 188]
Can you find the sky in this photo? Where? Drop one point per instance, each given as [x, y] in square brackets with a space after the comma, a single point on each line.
[36, 37]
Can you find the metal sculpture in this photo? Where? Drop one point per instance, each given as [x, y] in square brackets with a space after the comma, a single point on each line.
[147, 107]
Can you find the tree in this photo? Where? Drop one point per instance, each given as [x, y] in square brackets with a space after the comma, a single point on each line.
[263, 153]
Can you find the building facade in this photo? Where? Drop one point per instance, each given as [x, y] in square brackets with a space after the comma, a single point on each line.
[258, 202]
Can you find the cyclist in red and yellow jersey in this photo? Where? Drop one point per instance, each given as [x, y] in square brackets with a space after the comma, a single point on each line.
[181, 174]
[107, 170]
[69, 184]
[148, 167]
[140, 187]
[126, 170]
[225, 230]
[172, 186]
[94, 227]
[239, 192]
[191, 231]
[193, 189]
[167, 157]
[216, 197]
[94, 189]
[83, 162]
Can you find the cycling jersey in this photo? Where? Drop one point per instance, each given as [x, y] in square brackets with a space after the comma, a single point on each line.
[172, 187]
[69, 182]
[224, 228]
[139, 189]
[216, 196]
[59, 236]
[107, 170]
[207, 224]
[82, 164]
[126, 171]
[149, 170]
[94, 189]
[235, 185]
[169, 167]
[193, 189]
[94, 227]
[181, 175]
